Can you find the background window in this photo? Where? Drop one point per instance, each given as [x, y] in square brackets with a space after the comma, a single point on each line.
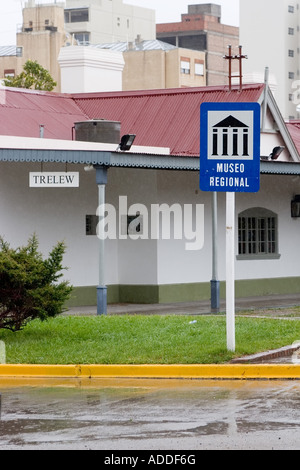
[185, 66]
[91, 222]
[199, 68]
[258, 234]
[9, 73]
[77, 15]
[82, 38]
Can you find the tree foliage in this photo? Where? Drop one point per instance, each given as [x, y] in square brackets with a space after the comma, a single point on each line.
[34, 76]
[29, 286]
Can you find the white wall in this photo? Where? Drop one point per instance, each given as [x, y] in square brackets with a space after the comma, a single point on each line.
[265, 40]
[59, 214]
[85, 69]
[54, 215]
[113, 20]
[137, 259]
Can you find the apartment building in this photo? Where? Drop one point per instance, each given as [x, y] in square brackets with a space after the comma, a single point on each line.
[269, 32]
[201, 29]
[47, 27]
[40, 38]
[158, 65]
[96, 21]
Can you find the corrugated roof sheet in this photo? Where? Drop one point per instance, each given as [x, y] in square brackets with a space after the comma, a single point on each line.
[164, 118]
[23, 111]
[8, 51]
[159, 118]
[294, 130]
[147, 45]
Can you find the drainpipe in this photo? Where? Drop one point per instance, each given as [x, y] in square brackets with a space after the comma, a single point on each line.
[42, 131]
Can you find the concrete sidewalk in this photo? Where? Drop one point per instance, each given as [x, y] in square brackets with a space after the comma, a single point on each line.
[193, 308]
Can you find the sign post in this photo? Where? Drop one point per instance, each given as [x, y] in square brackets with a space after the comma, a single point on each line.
[230, 271]
[230, 163]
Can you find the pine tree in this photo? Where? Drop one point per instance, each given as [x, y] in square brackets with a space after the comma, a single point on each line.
[29, 286]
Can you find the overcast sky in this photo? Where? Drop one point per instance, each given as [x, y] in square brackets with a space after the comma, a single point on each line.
[167, 11]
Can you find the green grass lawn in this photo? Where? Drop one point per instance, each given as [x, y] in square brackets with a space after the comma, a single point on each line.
[137, 339]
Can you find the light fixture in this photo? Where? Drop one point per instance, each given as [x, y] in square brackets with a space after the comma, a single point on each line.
[126, 142]
[277, 151]
[295, 207]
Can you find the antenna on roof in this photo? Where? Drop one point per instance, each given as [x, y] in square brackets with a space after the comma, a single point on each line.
[238, 57]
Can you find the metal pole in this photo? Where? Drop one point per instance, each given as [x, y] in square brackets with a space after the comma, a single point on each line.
[215, 283]
[101, 179]
[240, 66]
[230, 71]
[230, 271]
[264, 109]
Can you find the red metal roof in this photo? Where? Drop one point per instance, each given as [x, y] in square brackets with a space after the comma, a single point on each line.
[23, 111]
[162, 118]
[159, 118]
[294, 130]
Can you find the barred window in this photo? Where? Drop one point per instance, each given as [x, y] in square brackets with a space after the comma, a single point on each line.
[258, 234]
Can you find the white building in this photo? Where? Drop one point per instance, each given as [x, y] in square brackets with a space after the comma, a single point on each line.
[100, 21]
[86, 69]
[148, 267]
[269, 33]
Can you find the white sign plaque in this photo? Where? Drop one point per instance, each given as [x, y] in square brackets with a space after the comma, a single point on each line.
[54, 180]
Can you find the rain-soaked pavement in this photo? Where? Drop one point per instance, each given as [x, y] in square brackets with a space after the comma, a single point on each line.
[129, 415]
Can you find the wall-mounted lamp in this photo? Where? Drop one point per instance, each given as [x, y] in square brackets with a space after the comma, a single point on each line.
[126, 142]
[295, 207]
[277, 151]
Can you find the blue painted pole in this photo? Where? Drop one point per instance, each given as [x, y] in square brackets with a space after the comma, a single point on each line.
[215, 283]
[101, 180]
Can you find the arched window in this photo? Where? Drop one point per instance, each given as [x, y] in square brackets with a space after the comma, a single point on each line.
[258, 234]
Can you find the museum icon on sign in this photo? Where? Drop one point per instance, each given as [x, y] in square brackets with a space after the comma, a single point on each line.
[230, 139]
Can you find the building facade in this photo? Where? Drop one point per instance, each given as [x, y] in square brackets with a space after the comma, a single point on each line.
[40, 38]
[46, 28]
[97, 21]
[149, 266]
[269, 32]
[155, 64]
[201, 29]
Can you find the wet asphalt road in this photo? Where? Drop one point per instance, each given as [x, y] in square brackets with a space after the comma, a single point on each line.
[150, 415]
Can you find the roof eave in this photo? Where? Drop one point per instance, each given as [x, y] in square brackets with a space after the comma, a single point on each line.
[129, 160]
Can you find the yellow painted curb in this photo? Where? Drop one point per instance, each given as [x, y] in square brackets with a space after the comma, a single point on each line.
[228, 371]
